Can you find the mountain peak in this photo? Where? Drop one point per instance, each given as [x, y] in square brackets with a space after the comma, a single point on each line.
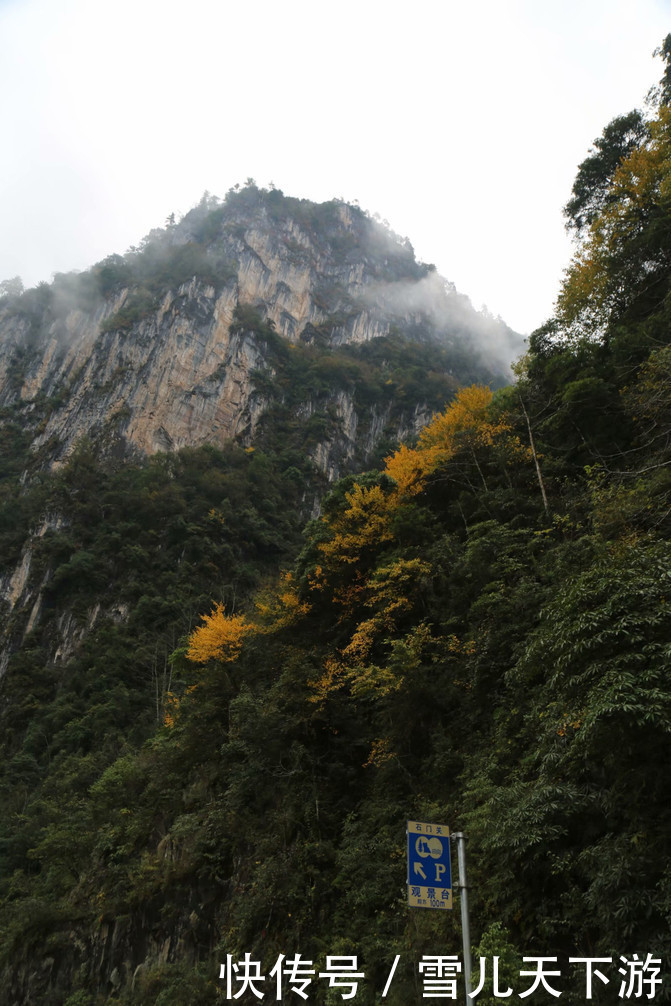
[184, 339]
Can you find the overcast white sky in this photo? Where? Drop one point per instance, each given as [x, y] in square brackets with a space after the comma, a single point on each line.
[461, 124]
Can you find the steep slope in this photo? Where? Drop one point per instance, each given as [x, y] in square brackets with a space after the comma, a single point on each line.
[180, 342]
[477, 633]
[169, 420]
[307, 331]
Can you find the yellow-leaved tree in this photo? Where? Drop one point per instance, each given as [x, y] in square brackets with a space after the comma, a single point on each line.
[280, 606]
[363, 523]
[220, 637]
[467, 424]
[624, 257]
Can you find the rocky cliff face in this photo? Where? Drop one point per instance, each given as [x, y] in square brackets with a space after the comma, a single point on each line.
[262, 318]
[303, 341]
[158, 350]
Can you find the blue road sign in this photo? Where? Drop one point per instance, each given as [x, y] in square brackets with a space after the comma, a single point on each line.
[429, 865]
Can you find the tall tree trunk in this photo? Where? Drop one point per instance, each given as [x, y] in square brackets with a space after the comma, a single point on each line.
[535, 457]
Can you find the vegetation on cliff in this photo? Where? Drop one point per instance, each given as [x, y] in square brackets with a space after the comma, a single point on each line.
[476, 632]
[300, 325]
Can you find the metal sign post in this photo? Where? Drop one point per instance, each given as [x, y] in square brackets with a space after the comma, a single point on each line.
[460, 839]
[430, 878]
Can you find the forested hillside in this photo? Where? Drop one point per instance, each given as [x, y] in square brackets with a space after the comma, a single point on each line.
[476, 632]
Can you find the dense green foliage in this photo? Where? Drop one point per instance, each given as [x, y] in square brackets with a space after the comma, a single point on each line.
[383, 379]
[592, 189]
[153, 545]
[478, 633]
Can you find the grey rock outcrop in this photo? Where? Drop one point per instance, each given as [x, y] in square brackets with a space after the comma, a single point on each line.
[177, 370]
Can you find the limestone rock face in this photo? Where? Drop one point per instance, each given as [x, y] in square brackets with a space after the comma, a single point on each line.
[310, 332]
[156, 358]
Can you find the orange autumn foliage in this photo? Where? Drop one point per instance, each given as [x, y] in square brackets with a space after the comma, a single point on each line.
[389, 594]
[465, 424]
[219, 638]
[364, 522]
[624, 246]
[171, 708]
[408, 468]
[280, 607]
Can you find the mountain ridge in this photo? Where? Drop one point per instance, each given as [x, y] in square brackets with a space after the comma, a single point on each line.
[169, 420]
[166, 346]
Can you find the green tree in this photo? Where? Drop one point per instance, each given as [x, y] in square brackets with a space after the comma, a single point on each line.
[592, 186]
